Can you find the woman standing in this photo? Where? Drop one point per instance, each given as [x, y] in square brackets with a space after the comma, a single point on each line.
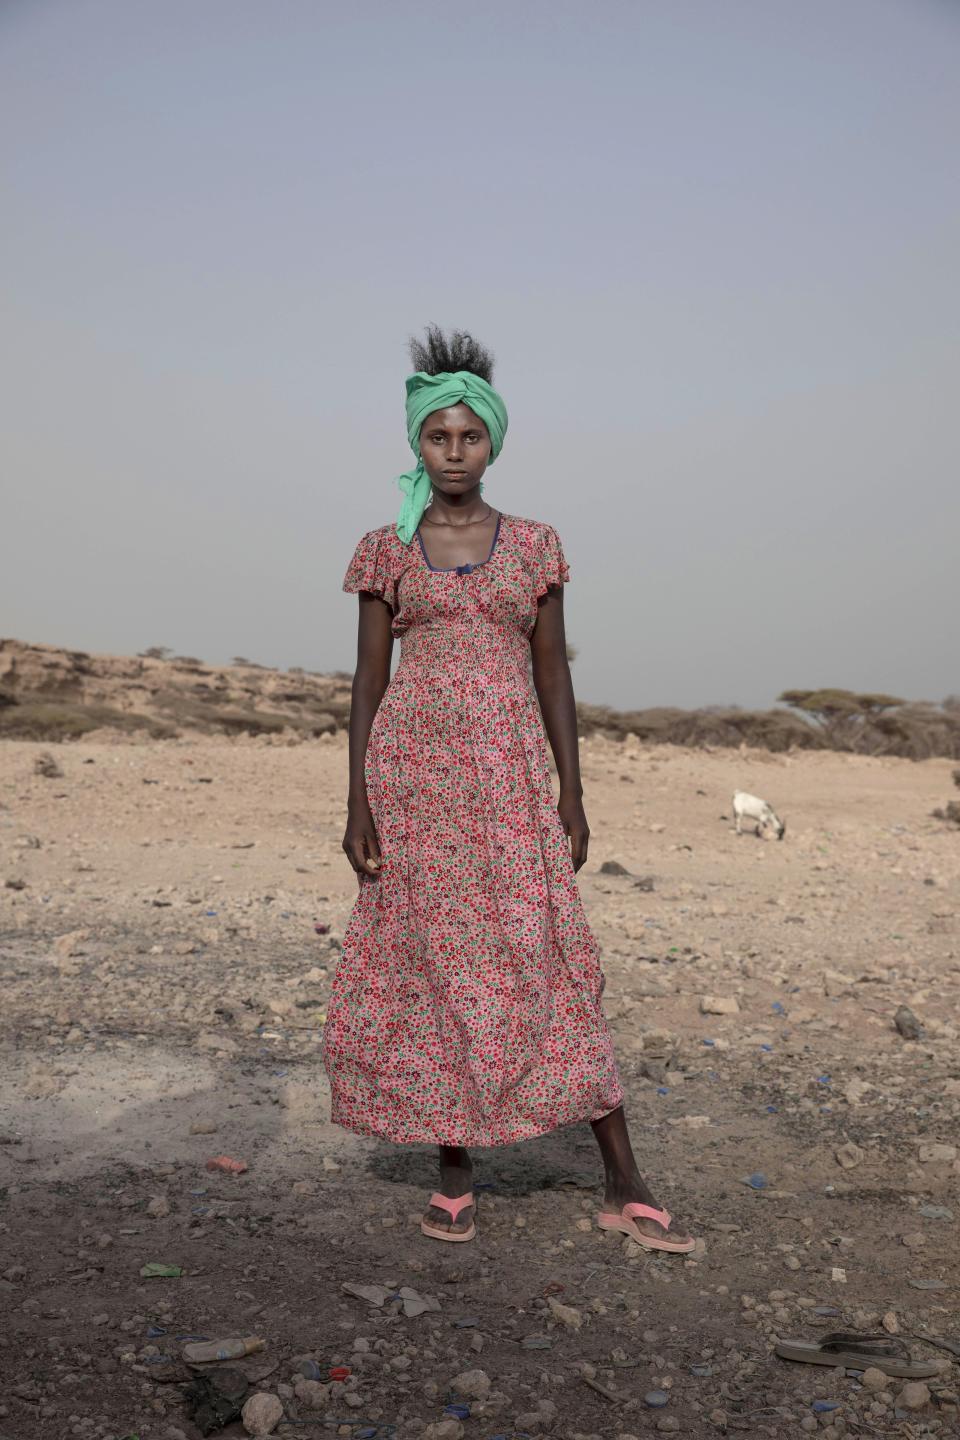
[466, 1006]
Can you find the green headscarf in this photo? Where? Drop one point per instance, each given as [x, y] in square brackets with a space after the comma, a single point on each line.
[426, 393]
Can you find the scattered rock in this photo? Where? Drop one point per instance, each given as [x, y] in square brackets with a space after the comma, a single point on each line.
[936, 1153]
[914, 1395]
[849, 1156]
[159, 1207]
[47, 766]
[449, 1429]
[907, 1023]
[874, 1379]
[262, 1414]
[719, 1005]
[565, 1314]
[613, 867]
[472, 1384]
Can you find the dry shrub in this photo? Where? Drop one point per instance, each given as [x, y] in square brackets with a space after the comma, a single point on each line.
[55, 720]
[776, 730]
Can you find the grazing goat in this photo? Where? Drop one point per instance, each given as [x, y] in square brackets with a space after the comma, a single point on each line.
[751, 807]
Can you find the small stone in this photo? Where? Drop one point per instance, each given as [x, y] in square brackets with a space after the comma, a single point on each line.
[849, 1156]
[914, 1395]
[907, 1023]
[613, 867]
[669, 1424]
[890, 1323]
[565, 1314]
[203, 1127]
[312, 1394]
[443, 1430]
[936, 1153]
[656, 1399]
[472, 1385]
[159, 1207]
[262, 1414]
[935, 1212]
[914, 1241]
[719, 1005]
[874, 1379]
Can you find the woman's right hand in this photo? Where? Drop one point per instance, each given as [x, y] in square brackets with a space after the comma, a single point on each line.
[360, 844]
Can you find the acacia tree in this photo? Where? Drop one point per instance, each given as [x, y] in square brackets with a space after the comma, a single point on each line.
[844, 716]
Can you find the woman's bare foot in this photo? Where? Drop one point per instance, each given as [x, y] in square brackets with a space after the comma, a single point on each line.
[456, 1179]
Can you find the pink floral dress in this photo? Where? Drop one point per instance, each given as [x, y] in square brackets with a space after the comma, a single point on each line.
[466, 1005]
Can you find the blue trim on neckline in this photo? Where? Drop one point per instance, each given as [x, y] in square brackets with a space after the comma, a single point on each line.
[460, 569]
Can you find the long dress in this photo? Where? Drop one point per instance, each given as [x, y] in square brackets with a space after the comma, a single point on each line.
[466, 1006]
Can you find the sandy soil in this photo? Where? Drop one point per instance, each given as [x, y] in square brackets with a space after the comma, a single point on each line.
[162, 976]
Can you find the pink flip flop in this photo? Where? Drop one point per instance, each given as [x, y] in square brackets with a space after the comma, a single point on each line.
[453, 1208]
[625, 1223]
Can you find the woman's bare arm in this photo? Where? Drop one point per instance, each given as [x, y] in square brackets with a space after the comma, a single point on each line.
[551, 677]
[370, 680]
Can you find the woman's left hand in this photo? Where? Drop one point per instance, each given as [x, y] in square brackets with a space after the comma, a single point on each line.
[570, 810]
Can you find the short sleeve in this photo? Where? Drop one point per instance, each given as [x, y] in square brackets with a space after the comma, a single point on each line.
[551, 561]
[371, 569]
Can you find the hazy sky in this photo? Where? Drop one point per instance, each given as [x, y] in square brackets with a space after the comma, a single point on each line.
[714, 244]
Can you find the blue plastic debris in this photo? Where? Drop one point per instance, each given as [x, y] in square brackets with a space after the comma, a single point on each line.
[709, 1042]
[459, 1412]
[771, 1110]
[310, 1370]
[823, 1079]
[662, 1090]
[154, 1330]
[702, 1371]
[823, 1407]
[767, 1048]
[757, 1181]
[209, 912]
[778, 1007]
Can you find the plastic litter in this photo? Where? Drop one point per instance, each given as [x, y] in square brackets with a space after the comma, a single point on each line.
[215, 1399]
[459, 1412]
[757, 1181]
[339, 1372]
[156, 1270]
[823, 1407]
[227, 1165]
[233, 1348]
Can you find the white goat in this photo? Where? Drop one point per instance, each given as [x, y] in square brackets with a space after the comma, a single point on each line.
[751, 807]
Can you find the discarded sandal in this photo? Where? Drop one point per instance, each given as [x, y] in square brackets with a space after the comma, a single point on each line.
[626, 1223]
[858, 1352]
[453, 1208]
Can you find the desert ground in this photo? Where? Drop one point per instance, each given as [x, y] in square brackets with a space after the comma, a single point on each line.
[171, 913]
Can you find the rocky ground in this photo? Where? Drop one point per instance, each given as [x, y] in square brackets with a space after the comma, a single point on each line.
[170, 915]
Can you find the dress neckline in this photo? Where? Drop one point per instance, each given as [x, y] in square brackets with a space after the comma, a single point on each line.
[460, 569]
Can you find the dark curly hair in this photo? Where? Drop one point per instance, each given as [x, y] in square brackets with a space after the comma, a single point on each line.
[439, 354]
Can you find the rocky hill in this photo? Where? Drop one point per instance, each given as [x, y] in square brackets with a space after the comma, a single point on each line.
[47, 692]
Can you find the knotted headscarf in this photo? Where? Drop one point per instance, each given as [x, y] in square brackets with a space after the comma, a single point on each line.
[425, 394]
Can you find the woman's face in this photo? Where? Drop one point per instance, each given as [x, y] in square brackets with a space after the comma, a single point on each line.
[455, 446]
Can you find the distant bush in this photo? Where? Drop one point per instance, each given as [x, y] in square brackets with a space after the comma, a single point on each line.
[55, 720]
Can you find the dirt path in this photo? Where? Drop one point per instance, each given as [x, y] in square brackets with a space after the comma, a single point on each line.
[162, 976]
